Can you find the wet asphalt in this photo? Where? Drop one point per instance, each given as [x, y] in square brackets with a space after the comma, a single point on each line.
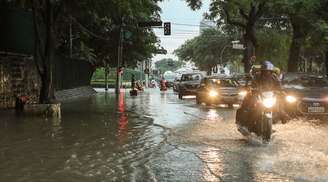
[155, 137]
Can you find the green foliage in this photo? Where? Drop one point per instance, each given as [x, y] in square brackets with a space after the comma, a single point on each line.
[99, 74]
[205, 50]
[304, 22]
[96, 28]
[168, 65]
[274, 47]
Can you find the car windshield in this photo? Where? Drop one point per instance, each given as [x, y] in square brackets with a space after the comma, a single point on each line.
[190, 77]
[224, 83]
[308, 82]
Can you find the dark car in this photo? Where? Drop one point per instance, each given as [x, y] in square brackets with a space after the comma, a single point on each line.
[176, 84]
[306, 94]
[218, 90]
[189, 84]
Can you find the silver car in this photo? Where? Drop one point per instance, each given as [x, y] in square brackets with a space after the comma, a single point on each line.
[189, 84]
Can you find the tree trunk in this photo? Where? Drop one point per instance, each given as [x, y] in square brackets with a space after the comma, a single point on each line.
[44, 53]
[250, 42]
[296, 45]
[294, 53]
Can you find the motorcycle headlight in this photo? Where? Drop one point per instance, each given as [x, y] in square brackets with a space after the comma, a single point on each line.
[213, 93]
[243, 93]
[291, 99]
[269, 102]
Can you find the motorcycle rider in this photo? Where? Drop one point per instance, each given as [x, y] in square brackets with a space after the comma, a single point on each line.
[163, 83]
[267, 79]
[262, 80]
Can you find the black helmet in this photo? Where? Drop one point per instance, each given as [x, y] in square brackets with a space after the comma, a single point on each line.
[267, 65]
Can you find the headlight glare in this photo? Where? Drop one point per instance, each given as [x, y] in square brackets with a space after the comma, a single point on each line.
[291, 99]
[243, 93]
[213, 93]
[269, 102]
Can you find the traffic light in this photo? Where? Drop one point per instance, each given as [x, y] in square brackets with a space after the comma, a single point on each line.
[167, 28]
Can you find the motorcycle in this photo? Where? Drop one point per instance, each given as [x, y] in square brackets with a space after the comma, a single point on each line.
[139, 86]
[259, 119]
[134, 92]
[152, 84]
[163, 85]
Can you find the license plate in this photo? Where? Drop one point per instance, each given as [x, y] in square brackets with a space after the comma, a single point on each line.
[229, 99]
[316, 109]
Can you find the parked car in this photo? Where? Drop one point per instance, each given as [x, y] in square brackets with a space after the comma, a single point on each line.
[189, 84]
[220, 90]
[306, 94]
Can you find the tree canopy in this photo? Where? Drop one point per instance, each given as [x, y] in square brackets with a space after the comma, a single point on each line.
[168, 64]
[303, 21]
[206, 50]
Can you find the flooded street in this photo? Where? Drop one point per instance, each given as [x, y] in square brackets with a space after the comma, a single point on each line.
[155, 137]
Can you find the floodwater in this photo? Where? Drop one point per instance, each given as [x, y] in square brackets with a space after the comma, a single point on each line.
[155, 137]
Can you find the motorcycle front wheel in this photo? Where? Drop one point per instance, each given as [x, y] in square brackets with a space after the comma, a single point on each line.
[266, 128]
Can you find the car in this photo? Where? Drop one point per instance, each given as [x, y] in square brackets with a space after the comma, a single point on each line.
[169, 77]
[176, 84]
[305, 94]
[241, 78]
[220, 90]
[189, 84]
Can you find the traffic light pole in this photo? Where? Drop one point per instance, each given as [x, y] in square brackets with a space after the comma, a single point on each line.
[119, 61]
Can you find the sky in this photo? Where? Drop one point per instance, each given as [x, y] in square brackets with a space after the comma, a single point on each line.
[177, 12]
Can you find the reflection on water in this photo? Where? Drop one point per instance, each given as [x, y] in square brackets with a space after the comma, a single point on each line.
[154, 137]
[213, 168]
[213, 115]
[101, 137]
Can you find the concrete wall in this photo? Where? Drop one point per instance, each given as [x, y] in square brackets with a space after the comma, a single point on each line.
[71, 73]
[18, 76]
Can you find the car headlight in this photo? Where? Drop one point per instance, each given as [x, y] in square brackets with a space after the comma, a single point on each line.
[243, 93]
[213, 93]
[269, 102]
[291, 99]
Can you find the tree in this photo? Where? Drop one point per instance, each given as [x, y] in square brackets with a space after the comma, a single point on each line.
[243, 14]
[168, 65]
[206, 50]
[96, 25]
[45, 14]
[320, 36]
[300, 13]
[274, 46]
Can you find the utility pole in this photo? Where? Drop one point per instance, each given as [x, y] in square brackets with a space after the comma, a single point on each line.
[119, 60]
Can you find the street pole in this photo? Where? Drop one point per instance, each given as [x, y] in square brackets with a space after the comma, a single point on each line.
[141, 71]
[222, 51]
[119, 60]
[106, 76]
